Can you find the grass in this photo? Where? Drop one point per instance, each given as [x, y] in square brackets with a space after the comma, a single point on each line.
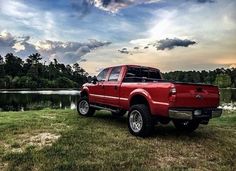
[62, 140]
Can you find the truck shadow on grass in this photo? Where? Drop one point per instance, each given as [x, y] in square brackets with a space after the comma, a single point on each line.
[160, 130]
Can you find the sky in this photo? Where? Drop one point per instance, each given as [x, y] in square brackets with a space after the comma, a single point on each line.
[166, 34]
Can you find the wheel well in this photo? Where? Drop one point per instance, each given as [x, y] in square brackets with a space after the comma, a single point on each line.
[138, 99]
[84, 94]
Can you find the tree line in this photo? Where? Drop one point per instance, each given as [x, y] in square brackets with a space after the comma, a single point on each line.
[221, 77]
[33, 73]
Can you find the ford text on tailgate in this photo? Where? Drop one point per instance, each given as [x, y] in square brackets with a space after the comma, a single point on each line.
[149, 99]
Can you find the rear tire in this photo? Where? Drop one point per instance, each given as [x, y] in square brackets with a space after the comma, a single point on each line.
[186, 126]
[83, 107]
[140, 121]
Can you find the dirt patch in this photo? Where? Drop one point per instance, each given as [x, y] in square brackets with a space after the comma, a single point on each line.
[60, 126]
[39, 140]
[3, 165]
[48, 117]
[4, 145]
[42, 139]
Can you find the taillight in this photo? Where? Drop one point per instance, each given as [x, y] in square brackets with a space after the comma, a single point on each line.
[172, 91]
[172, 96]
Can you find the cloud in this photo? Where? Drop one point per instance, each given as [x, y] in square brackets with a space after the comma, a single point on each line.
[68, 52]
[114, 6]
[82, 7]
[18, 45]
[172, 43]
[124, 51]
[205, 1]
[83, 60]
[7, 41]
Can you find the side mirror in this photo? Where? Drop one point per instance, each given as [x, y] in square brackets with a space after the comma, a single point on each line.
[94, 80]
[89, 79]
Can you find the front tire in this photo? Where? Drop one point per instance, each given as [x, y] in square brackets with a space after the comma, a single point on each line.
[140, 121]
[84, 108]
[186, 126]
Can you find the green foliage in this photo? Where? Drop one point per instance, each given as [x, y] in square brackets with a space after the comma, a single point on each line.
[15, 73]
[13, 65]
[223, 80]
[2, 83]
[65, 82]
[24, 81]
[2, 70]
[221, 77]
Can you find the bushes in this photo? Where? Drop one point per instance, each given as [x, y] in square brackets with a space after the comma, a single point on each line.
[223, 80]
[63, 82]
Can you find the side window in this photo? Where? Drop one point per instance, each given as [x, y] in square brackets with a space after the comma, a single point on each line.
[102, 75]
[115, 74]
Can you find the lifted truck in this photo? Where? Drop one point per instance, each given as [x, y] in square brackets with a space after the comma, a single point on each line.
[149, 99]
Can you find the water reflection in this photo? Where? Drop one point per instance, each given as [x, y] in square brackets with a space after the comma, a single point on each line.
[18, 101]
[67, 99]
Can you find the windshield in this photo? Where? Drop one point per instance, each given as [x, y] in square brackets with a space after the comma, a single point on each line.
[143, 74]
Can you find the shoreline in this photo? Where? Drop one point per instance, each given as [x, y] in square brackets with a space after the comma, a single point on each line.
[38, 89]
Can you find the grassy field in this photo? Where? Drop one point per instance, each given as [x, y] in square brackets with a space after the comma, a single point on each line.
[62, 140]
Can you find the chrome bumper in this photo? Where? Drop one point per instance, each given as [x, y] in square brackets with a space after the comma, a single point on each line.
[189, 114]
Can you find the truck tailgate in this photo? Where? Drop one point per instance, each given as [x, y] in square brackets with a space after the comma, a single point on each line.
[196, 96]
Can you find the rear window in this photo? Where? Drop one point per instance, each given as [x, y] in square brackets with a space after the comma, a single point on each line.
[142, 74]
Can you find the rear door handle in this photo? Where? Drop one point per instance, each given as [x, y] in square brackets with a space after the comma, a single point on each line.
[116, 87]
[103, 86]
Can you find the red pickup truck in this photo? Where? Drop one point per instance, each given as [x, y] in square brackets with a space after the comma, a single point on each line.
[149, 99]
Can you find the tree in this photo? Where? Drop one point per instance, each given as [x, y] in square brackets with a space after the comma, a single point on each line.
[34, 59]
[2, 70]
[64, 82]
[33, 64]
[223, 80]
[13, 65]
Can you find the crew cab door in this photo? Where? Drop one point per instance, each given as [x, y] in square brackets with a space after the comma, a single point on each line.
[96, 91]
[112, 87]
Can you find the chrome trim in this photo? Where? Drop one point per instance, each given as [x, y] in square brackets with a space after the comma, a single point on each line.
[160, 103]
[97, 95]
[102, 108]
[175, 114]
[125, 99]
[188, 114]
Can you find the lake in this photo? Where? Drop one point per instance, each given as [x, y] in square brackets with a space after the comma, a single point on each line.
[67, 99]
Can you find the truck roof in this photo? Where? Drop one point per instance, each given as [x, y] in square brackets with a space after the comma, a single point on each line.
[133, 66]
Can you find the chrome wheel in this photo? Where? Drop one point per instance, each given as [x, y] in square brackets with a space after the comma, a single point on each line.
[83, 107]
[136, 121]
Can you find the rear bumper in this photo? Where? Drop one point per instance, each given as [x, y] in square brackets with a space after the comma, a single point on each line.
[189, 114]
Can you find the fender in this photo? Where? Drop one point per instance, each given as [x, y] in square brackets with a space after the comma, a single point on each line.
[84, 89]
[141, 92]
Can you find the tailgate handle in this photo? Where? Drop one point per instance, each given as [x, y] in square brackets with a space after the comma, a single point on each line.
[199, 89]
